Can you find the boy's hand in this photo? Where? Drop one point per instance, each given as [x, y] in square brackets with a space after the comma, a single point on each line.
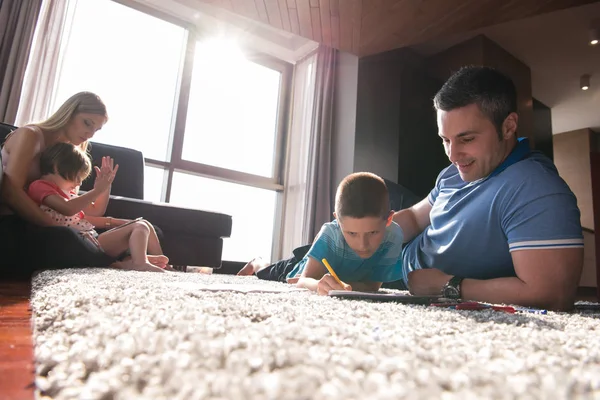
[327, 283]
[105, 174]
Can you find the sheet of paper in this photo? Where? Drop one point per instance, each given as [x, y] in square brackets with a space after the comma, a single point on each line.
[238, 287]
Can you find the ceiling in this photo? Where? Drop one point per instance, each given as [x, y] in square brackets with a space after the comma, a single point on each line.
[365, 27]
[555, 46]
[248, 32]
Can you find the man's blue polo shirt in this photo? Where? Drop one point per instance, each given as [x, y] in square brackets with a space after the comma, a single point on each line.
[524, 204]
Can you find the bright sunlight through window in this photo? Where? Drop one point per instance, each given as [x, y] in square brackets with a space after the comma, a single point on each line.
[132, 61]
[232, 114]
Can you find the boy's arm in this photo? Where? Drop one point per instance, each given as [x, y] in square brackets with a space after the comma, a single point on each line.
[315, 278]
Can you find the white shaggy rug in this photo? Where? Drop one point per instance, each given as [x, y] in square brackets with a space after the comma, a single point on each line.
[105, 334]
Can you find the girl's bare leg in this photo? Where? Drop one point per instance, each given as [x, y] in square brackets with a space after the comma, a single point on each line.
[155, 252]
[134, 237]
[153, 242]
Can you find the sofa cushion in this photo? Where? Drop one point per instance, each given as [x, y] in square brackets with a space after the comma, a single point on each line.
[172, 218]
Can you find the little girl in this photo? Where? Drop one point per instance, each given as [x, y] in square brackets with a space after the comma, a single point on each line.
[63, 167]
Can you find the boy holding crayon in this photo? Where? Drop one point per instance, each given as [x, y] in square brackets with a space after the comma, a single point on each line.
[362, 246]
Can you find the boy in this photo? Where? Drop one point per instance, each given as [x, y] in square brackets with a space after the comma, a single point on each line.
[363, 245]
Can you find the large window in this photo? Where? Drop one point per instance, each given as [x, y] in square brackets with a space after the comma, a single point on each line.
[233, 106]
[208, 116]
[135, 72]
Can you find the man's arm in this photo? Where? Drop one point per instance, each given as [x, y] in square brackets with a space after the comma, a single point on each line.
[414, 220]
[546, 278]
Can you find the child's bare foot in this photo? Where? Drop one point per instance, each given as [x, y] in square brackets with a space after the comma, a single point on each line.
[131, 266]
[158, 260]
[255, 265]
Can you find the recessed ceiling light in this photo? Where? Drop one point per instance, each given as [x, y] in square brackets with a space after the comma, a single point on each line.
[584, 82]
[594, 35]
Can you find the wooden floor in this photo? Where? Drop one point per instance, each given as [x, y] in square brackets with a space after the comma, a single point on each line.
[16, 346]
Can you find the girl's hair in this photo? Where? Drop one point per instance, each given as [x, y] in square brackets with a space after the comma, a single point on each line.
[66, 160]
[82, 102]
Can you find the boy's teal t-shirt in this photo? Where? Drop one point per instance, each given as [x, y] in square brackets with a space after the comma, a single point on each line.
[385, 265]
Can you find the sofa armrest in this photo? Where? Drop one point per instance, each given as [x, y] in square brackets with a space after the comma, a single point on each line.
[171, 218]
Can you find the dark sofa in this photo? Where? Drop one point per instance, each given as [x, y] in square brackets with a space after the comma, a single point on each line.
[189, 237]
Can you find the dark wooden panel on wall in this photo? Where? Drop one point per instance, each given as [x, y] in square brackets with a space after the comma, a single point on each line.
[377, 113]
[482, 51]
[396, 132]
[422, 155]
[542, 128]
[366, 27]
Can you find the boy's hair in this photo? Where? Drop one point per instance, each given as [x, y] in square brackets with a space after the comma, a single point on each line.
[494, 93]
[362, 194]
[66, 160]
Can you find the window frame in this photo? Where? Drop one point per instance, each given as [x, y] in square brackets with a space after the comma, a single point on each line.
[175, 161]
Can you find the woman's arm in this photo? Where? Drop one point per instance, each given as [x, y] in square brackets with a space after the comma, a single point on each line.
[24, 145]
[105, 222]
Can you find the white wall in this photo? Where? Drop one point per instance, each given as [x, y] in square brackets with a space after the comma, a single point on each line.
[344, 124]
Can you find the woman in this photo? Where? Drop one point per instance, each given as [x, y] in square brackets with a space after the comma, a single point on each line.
[30, 239]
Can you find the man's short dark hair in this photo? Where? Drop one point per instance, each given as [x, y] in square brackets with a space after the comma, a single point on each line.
[362, 194]
[493, 92]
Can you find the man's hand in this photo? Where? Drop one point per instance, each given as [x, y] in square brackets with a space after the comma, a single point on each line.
[427, 282]
[327, 283]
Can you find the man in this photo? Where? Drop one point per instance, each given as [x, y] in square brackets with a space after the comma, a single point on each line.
[500, 225]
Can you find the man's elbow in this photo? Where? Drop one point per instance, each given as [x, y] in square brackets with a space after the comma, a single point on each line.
[559, 300]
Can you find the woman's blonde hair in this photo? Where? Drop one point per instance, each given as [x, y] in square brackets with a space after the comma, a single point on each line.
[82, 102]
